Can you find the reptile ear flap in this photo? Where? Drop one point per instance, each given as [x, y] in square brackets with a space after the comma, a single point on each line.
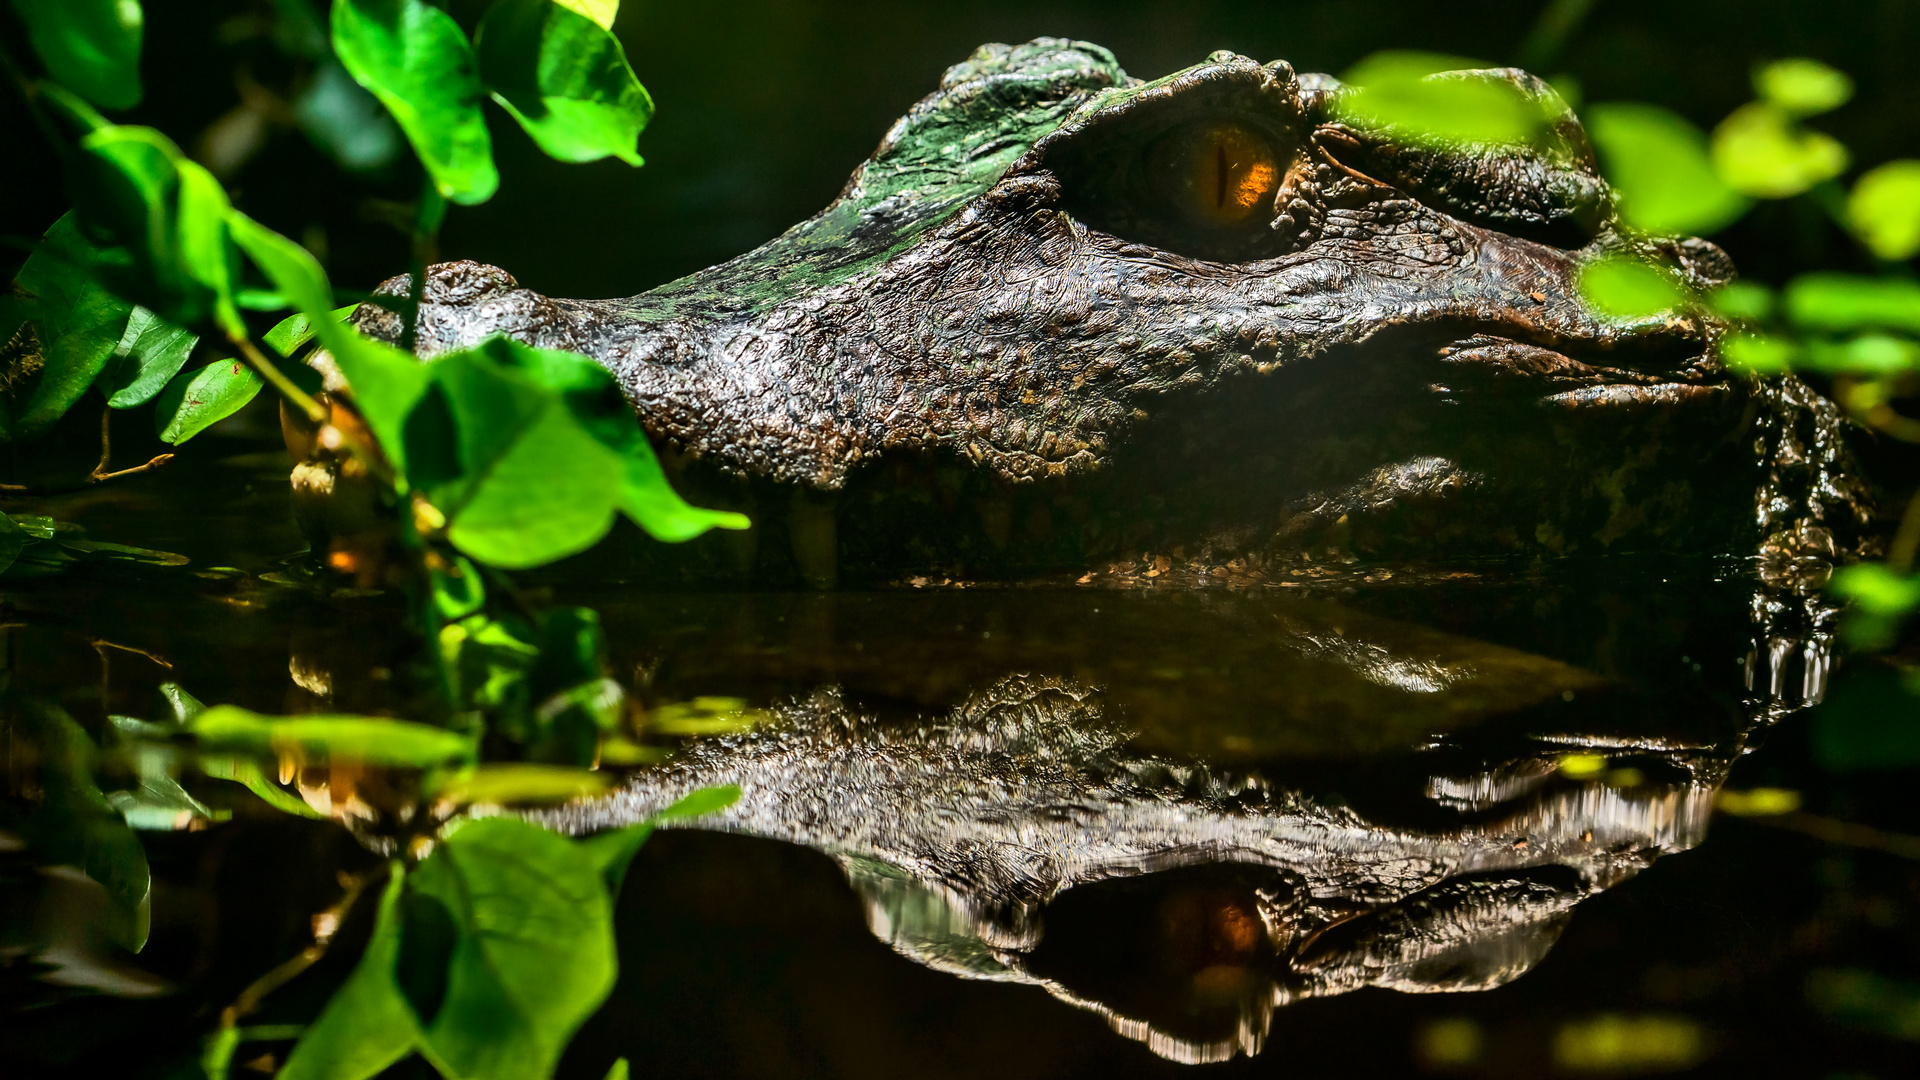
[1548, 190]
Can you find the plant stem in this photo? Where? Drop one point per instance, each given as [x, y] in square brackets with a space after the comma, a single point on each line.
[1906, 541]
[431, 211]
[284, 972]
[316, 412]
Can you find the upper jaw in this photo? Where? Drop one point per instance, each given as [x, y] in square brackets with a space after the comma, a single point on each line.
[1673, 371]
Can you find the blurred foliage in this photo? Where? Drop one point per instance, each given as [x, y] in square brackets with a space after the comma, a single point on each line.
[1613, 1043]
[1440, 100]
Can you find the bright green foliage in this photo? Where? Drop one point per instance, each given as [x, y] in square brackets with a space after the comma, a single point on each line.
[230, 729]
[600, 11]
[1847, 302]
[704, 716]
[1627, 288]
[1658, 165]
[541, 686]
[414, 58]
[168, 216]
[1884, 209]
[72, 324]
[534, 952]
[1759, 354]
[294, 331]
[1409, 92]
[91, 46]
[1741, 300]
[1877, 589]
[527, 452]
[150, 353]
[367, 1024]
[1802, 87]
[74, 825]
[564, 78]
[1872, 355]
[524, 784]
[1761, 151]
[196, 400]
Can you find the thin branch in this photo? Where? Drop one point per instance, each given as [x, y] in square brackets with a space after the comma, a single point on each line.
[94, 479]
[284, 972]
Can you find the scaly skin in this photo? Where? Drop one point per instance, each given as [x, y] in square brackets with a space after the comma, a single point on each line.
[996, 352]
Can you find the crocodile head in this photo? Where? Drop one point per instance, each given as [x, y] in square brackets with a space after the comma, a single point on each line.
[1062, 314]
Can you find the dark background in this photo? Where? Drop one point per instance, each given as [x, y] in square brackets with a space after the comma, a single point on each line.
[765, 106]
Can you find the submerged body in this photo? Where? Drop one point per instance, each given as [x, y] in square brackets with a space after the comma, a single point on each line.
[1063, 317]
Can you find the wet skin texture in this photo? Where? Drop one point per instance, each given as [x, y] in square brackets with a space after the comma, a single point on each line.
[1036, 332]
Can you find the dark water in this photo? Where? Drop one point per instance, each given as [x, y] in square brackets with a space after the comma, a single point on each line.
[1346, 820]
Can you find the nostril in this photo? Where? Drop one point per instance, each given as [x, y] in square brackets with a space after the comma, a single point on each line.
[1706, 262]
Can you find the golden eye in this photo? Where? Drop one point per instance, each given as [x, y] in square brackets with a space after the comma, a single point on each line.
[1219, 174]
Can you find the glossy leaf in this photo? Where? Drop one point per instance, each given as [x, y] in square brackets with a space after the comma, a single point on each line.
[64, 328]
[1438, 99]
[416, 60]
[645, 496]
[151, 352]
[367, 1025]
[565, 78]
[294, 331]
[1627, 288]
[1659, 167]
[381, 742]
[196, 400]
[1802, 87]
[1884, 209]
[168, 217]
[1759, 150]
[534, 953]
[91, 46]
[709, 800]
[1847, 302]
[600, 11]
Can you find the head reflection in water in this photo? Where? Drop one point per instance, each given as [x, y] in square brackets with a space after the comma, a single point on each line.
[1048, 829]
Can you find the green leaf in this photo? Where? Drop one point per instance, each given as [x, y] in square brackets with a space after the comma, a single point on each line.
[564, 78]
[92, 46]
[618, 1070]
[247, 774]
[1878, 355]
[58, 303]
[290, 333]
[228, 728]
[710, 800]
[1877, 589]
[457, 589]
[169, 217]
[345, 121]
[1759, 150]
[1759, 354]
[1847, 302]
[520, 481]
[151, 352]
[386, 382]
[13, 540]
[524, 784]
[1627, 288]
[1884, 209]
[1802, 87]
[367, 1025]
[414, 58]
[1746, 301]
[534, 955]
[1659, 167]
[595, 400]
[196, 400]
[74, 824]
[600, 11]
[1431, 98]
